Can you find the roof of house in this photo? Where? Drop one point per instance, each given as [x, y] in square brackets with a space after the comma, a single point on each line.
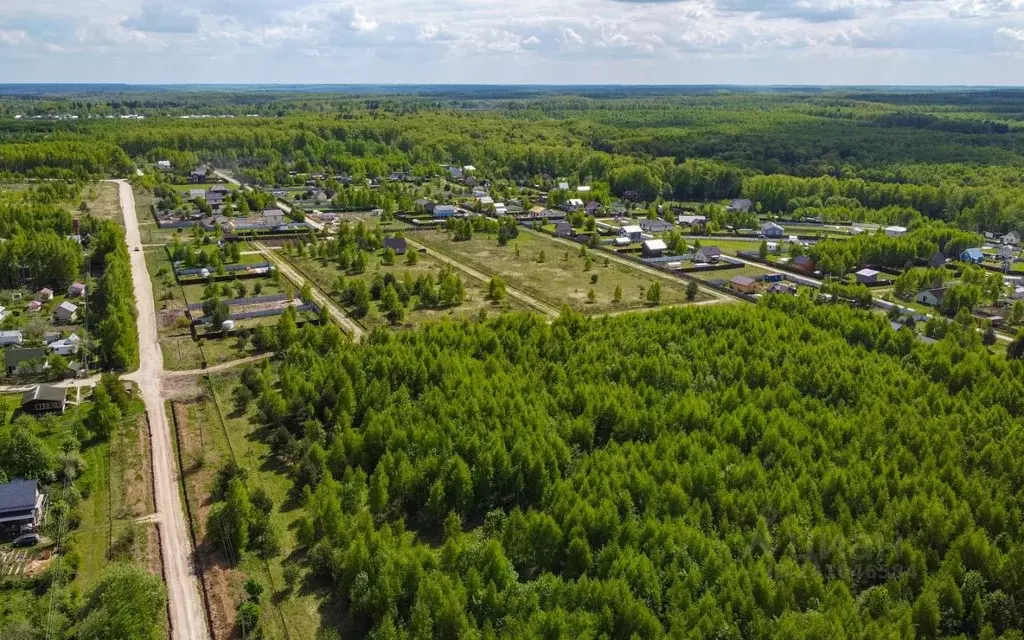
[740, 203]
[537, 209]
[939, 293]
[711, 250]
[655, 245]
[14, 357]
[742, 280]
[771, 225]
[868, 273]
[631, 229]
[272, 213]
[583, 188]
[803, 260]
[444, 207]
[896, 228]
[46, 290]
[593, 204]
[575, 202]
[45, 392]
[691, 219]
[18, 495]
[395, 243]
[10, 334]
[485, 200]
[78, 286]
[67, 306]
[974, 253]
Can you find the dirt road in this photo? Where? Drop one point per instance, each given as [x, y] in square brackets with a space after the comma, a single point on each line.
[188, 621]
[347, 324]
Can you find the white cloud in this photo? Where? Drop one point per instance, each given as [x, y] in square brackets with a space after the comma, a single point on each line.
[664, 41]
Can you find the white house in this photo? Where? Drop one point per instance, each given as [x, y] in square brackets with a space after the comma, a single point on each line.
[66, 312]
[931, 297]
[573, 204]
[654, 248]
[1011, 238]
[8, 338]
[163, 165]
[564, 186]
[632, 231]
[895, 231]
[66, 347]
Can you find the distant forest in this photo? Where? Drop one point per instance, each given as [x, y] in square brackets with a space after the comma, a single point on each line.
[949, 155]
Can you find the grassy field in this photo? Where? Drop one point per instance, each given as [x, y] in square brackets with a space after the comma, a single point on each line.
[209, 438]
[561, 279]
[102, 200]
[116, 490]
[726, 274]
[326, 275]
[180, 351]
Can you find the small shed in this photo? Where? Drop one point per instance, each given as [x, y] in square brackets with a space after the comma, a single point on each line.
[44, 295]
[931, 297]
[895, 231]
[8, 338]
[76, 290]
[867, 276]
[44, 398]
[654, 248]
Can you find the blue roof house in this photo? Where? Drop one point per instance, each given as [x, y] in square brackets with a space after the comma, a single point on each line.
[972, 255]
[444, 210]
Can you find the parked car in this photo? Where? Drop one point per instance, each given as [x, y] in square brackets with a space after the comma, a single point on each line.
[27, 540]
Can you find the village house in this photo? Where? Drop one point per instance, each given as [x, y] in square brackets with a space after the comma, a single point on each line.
[973, 255]
[633, 232]
[931, 297]
[25, 361]
[772, 230]
[867, 276]
[21, 506]
[563, 230]
[654, 248]
[1006, 252]
[1011, 238]
[804, 263]
[444, 210]
[655, 226]
[66, 312]
[937, 260]
[33, 306]
[739, 205]
[423, 204]
[572, 204]
[743, 284]
[198, 176]
[8, 338]
[66, 346]
[77, 290]
[44, 295]
[707, 254]
[273, 216]
[44, 398]
[163, 165]
[592, 208]
[895, 231]
[398, 245]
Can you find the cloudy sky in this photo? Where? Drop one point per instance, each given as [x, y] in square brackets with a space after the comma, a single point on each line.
[527, 41]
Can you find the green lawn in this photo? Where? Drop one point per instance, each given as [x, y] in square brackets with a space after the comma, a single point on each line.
[561, 279]
[725, 274]
[208, 443]
[326, 275]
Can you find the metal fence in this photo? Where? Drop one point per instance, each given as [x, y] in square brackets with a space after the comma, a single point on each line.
[234, 302]
[261, 313]
[230, 268]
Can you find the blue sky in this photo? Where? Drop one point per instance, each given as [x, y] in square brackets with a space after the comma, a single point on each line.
[528, 41]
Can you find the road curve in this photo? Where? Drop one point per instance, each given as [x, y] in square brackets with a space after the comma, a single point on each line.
[188, 620]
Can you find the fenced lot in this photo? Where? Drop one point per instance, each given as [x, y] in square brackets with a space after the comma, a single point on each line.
[562, 277]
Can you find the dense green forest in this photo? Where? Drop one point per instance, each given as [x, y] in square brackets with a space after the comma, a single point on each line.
[780, 471]
[885, 156]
